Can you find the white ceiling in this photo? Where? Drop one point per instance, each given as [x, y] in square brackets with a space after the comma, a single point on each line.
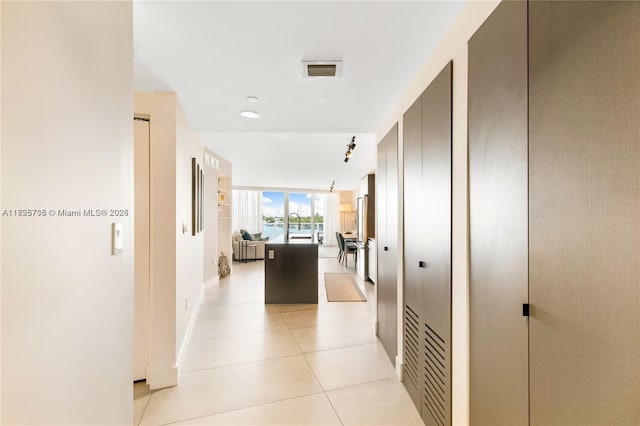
[214, 54]
[295, 160]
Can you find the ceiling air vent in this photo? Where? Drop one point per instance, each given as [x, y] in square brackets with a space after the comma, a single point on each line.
[321, 69]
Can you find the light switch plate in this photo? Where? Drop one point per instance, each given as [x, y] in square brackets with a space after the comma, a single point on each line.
[117, 240]
[272, 254]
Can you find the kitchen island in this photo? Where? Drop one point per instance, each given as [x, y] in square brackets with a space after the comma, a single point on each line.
[291, 271]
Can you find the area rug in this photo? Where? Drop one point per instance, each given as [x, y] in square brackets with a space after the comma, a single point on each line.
[342, 288]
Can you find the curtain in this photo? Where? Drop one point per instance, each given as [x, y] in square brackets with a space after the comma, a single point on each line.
[247, 210]
[331, 219]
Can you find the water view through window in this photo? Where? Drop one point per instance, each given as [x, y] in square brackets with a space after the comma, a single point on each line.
[305, 214]
[272, 214]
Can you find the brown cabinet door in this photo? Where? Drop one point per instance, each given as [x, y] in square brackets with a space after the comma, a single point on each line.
[499, 359]
[435, 239]
[413, 235]
[386, 198]
[391, 293]
[381, 237]
[584, 212]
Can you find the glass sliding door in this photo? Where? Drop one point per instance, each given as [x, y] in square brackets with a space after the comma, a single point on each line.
[273, 214]
[305, 215]
[299, 216]
[319, 208]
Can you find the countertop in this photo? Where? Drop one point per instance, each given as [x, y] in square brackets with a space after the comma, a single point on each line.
[281, 240]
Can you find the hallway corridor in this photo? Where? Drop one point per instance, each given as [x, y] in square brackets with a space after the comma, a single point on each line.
[255, 364]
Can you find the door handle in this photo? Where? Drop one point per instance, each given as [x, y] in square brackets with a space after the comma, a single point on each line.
[422, 264]
[386, 248]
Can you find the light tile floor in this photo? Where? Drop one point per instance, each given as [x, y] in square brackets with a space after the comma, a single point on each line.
[254, 364]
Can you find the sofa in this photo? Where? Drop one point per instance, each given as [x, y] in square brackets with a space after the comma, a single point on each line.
[255, 248]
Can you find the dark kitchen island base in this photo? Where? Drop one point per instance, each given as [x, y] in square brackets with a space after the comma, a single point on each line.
[291, 272]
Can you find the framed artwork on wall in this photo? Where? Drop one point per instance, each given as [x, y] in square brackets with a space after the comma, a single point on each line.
[197, 197]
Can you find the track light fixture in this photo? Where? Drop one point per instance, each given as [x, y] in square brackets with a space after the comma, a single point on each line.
[333, 185]
[350, 147]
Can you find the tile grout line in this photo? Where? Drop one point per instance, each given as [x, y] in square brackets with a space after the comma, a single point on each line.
[339, 347]
[314, 373]
[330, 323]
[334, 408]
[144, 410]
[241, 363]
[241, 408]
[363, 383]
[316, 377]
[250, 361]
[254, 361]
[288, 328]
[236, 336]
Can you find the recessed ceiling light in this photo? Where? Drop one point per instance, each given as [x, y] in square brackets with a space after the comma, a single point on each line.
[249, 114]
[252, 98]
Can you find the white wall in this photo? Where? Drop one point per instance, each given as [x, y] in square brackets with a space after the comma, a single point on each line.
[225, 226]
[67, 143]
[189, 248]
[217, 233]
[452, 47]
[0, 221]
[210, 237]
[162, 370]
[176, 255]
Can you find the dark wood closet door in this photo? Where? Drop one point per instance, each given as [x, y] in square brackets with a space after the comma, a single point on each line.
[498, 180]
[435, 239]
[584, 94]
[413, 236]
[381, 238]
[391, 325]
[412, 330]
[387, 253]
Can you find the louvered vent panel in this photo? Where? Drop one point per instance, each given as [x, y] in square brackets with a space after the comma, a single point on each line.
[412, 347]
[433, 393]
[322, 70]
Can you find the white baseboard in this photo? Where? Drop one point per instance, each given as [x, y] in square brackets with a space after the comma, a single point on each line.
[187, 335]
[210, 283]
[164, 378]
[399, 367]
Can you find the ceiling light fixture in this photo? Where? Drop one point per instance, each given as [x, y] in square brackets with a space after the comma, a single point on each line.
[252, 98]
[333, 185]
[249, 114]
[350, 147]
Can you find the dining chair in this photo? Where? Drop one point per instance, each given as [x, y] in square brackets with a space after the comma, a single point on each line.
[346, 248]
[340, 241]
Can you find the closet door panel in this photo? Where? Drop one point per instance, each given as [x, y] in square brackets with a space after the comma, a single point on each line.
[436, 203]
[584, 212]
[387, 283]
[435, 240]
[498, 206]
[391, 302]
[381, 237]
[413, 203]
